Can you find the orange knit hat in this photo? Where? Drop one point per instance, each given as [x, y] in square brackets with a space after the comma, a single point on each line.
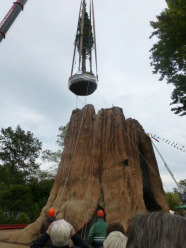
[51, 212]
[100, 213]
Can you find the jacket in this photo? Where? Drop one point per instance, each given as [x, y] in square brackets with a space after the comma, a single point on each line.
[40, 242]
[97, 232]
[44, 226]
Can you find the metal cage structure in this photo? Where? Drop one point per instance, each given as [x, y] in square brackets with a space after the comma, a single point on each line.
[84, 81]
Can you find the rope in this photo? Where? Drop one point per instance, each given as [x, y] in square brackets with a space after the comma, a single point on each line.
[71, 160]
[94, 30]
[90, 58]
[75, 44]
[76, 100]
[174, 144]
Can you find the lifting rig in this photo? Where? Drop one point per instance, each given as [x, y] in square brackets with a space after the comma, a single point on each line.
[10, 17]
[83, 82]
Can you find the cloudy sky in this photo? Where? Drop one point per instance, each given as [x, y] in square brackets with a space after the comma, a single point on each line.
[35, 64]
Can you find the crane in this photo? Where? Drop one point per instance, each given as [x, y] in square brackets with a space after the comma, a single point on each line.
[83, 82]
[10, 17]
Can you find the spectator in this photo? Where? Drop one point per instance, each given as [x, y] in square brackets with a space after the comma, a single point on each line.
[59, 231]
[115, 239]
[46, 223]
[115, 226]
[98, 231]
[157, 230]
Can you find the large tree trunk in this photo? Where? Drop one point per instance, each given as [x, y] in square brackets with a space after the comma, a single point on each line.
[108, 162]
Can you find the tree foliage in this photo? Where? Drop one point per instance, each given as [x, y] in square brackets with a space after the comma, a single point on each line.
[175, 3]
[182, 187]
[55, 156]
[24, 188]
[174, 198]
[18, 153]
[168, 55]
[87, 35]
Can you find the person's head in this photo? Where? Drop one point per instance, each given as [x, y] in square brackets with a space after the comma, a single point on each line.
[51, 212]
[157, 230]
[100, 214]
[115, 226]
[115, 240]
[60, 233]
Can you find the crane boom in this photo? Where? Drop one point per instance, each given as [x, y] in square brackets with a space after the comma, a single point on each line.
[10, 17]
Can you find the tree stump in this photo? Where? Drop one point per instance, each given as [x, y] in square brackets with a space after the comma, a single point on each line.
[107, 163]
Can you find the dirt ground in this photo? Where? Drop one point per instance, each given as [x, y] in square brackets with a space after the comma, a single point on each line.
[4, 234]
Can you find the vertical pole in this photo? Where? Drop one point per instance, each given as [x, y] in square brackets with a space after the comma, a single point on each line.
[81, 36]
[90, 58]
[166, 165]
[94, 29]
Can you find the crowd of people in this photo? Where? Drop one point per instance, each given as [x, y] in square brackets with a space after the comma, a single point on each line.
[147, 230]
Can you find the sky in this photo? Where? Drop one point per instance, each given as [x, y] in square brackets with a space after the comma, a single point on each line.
[35, 64]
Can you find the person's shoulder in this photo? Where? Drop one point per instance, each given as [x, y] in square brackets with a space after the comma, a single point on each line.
[51, 219]
[44, 221]
[94, 224]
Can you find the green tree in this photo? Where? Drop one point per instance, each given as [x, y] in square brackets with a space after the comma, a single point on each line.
[55, 156]
[23, 218]
[24, 188]
[40, 190]
[18, 153]
[16, 198]
[168, 55]
[182, 187]
[175, 3]
[173, 200]
[35, 211]
[2, 218]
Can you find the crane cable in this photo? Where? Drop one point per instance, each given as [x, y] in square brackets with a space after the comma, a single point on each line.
[90, 179]
[94, 31]
[70, 166]
[75, 45]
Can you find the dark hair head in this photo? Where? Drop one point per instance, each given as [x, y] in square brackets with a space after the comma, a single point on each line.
[115, 226]
[157, 230]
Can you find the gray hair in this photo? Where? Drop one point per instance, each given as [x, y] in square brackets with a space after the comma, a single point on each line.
[157, 230]
[115, 239]
[60, 233]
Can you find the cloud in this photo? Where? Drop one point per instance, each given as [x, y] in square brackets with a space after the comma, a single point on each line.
[35, 64]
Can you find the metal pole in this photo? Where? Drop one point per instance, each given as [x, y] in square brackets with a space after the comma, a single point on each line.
[94, 30]
[10, 17]
[81, 35]
[75, 43]
[166, 165]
